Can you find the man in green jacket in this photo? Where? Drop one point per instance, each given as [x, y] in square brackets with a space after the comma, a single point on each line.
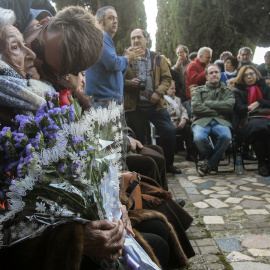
[146, 81]
[211, 104]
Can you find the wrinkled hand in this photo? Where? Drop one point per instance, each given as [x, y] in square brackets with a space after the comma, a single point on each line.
[179, 61]
[133, 53]
[126, 220]
[135, 81]
[182, 124]
[104, 239]
[135, 144]
[154, 98]
[253, 106]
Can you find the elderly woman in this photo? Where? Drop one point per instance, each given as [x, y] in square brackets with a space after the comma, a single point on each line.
[230, 66]
[252, 97]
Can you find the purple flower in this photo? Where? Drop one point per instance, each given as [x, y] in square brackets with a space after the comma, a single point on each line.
[62, 167]
[56, 111]
[29, 149]
[90, 148]
[4, 132]
[47, 95]
[75, 168]
[20, 139]
[77, 140]
[71, 113]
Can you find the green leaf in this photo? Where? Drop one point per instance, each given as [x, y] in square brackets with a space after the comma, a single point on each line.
[49, 171]
[77, 107]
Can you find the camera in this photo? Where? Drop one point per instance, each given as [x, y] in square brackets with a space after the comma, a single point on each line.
[142, 85]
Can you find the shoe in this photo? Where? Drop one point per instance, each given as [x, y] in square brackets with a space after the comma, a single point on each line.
[247, 155]
[213, 171]
[204, 169]
[263, 170]
[172, 169]
[190, 157]
[181, 202]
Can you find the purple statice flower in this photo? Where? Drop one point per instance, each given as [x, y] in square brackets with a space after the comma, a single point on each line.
[75, 168]
[90, 148]
[48, 96]
[64, 109]
[7, 150]
[62, 167]
[71, 113]
[82, 153]
[44, 108]
[57, 111]
[93, 165]
[22, 118]
[77, 140]
[4, 132]
[20, 139]
[20, 170]
[36, 141]
[53, 127]
[29, 149]
[28, 159]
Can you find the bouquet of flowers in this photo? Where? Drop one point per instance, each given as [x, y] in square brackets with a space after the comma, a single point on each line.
[59, 166]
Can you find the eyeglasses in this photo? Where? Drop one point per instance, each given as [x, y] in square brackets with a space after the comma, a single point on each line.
[249, 74]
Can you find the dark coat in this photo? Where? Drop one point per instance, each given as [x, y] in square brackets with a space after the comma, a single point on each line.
[255, 126]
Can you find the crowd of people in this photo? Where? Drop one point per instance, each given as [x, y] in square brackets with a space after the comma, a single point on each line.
[201, 101]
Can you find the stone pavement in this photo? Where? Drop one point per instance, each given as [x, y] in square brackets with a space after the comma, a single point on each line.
[231, 227]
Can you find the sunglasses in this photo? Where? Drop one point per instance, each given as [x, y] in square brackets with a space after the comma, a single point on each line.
[39, 51]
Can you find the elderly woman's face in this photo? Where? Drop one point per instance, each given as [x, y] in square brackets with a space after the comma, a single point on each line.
[16, 54]
[250, 77]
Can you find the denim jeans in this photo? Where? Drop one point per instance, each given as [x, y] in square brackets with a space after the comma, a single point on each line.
[138, 119]
[221, 134]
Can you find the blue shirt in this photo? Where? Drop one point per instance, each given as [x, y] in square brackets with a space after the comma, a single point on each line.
[104, 80]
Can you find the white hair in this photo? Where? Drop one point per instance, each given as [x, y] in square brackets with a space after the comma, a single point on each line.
[7, 16]
[204, 49]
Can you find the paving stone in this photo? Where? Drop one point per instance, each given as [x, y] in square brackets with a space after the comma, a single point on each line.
[213, 220]
[236, 256]
[215, 266]
[256, 241]
[211, 258]
[216, 203]
[239, 182]
[268, 199]
[205, 242]
[216, 227]
[214, 211]
[266, 181]
[252, 198]
[206, 185]
[259, 252]
[219, 196]
[207, 191]
[250, 266]
[209, 250]
[219, 188]
[196, 259]
[229, 244]
[191, 190]
[199, 181]
[237, 207]
[256, 212]
[263, 190]
[196, 198]
[245, 188]
[201, 205]
[224, 192]
[267, 206]
[233, 200]
[186, 184]
[251, 193]
[252, 204]
[192, 177]
[232, 186]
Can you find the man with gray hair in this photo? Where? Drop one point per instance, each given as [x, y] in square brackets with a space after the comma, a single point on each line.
[195, 71]
[245, 56]
[104, 80]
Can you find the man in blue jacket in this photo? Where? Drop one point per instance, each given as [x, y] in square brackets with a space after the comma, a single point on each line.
[104, 80]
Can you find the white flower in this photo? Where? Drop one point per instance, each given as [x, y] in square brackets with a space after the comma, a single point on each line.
[111, 183]
[75, 157]
[14, 235]
[41, 207]
[114, 128]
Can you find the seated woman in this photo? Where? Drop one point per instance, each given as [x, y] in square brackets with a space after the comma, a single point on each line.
[230, 66]
[180, 120]
[252, 95]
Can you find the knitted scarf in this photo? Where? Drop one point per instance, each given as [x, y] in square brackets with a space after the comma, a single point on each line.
[18, 92]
